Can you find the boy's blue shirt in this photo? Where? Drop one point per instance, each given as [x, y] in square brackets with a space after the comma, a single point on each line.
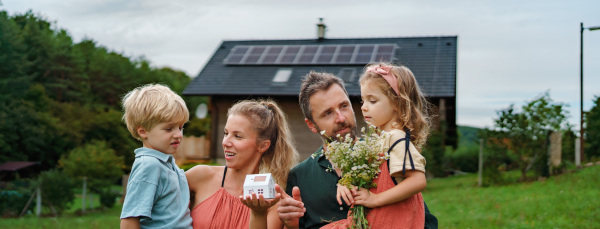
[157, 191]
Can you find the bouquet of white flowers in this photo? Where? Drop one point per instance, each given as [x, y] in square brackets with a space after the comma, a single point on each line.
[359, 162]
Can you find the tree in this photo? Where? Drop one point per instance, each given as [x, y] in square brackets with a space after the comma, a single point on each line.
[592, 131]
[96, 161]
[13, 62]
[524, 133]
[57, 95]
[434, 152]
[107, 126]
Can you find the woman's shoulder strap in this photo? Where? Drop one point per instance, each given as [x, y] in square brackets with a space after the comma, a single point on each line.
[224, 173]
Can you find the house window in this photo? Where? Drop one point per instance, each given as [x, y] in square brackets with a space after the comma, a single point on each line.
[282, 76]
[347, 75]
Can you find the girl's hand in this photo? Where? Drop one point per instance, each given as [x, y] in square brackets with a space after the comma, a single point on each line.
[258, 203]
[344, 193]
[365, 198]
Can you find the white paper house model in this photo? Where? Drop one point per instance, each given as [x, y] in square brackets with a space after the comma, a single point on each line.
[260, 184]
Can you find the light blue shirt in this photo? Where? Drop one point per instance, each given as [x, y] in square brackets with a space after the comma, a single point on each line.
[157, 191]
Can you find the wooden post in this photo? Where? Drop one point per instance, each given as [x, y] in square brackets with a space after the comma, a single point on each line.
[554, 151]
[38, 204]
[480, 173]
[577, 153]
[83, 197]
[28, 203]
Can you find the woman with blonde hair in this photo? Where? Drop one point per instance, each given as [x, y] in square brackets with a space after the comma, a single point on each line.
[256, 139]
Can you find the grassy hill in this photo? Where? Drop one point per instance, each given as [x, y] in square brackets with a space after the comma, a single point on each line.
[567, 201]
[467, 135]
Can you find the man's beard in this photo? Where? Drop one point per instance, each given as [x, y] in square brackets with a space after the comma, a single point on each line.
[339, 127]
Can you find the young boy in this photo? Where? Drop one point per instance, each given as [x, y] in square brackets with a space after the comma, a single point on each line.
[157, 192]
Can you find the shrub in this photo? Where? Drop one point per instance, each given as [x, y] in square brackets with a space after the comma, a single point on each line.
[496, 161]
[465, 158]
[14, 196]
[108, 198]
[434, 151]
[96, 161]
[57, 190]
[12, 202]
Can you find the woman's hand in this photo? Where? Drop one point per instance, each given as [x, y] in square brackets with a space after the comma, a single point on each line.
[344, 193]
[259, 204]
[365, 198]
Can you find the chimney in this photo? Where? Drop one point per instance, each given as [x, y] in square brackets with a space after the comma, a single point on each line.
[321, 29]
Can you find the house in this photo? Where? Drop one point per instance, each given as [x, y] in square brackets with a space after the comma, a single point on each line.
[251, 69]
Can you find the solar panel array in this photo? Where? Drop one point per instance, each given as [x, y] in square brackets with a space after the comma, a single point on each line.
[309, 54]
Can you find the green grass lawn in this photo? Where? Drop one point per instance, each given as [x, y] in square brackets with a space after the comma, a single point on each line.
[570, 200]
[96, 219]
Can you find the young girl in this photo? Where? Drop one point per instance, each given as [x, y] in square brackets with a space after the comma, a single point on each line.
[393, 102]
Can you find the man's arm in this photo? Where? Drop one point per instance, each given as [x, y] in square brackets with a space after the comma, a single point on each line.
[290, 208]
[130, 223]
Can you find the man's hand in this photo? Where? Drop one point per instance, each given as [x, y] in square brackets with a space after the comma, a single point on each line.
[290, 208]
[344, 193]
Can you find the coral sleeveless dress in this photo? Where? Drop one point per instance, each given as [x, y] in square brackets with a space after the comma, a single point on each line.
[221, 210]
[409, 213]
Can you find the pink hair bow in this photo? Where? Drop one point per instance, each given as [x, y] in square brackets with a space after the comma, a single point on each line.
[384, 71]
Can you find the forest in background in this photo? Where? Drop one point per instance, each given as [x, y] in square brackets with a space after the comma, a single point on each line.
[58, 94]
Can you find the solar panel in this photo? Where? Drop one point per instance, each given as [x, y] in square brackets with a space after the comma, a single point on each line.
[240, 50]
[326, 54]
[384, 53]
[364, 54]
[345, 54]
[271, 55]
[236, 55]
[254, 55]
[310, 54]
[289, 55]
[234, 59]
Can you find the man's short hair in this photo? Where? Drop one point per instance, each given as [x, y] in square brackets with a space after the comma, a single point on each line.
[151, 104]
[314, 82]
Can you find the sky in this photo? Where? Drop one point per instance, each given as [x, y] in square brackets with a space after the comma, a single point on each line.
[509, 52]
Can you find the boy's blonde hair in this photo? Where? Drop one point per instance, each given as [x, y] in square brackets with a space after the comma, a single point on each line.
[412, 107]
[151, 104]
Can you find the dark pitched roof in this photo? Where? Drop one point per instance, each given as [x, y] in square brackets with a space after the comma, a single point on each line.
[432, 60]
[16, 165]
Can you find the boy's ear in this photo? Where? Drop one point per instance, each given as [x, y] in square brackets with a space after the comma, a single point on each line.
[142, 132]
[264, 146]
[311, 125]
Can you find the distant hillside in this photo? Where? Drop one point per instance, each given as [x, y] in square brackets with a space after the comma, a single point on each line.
[468, 135]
